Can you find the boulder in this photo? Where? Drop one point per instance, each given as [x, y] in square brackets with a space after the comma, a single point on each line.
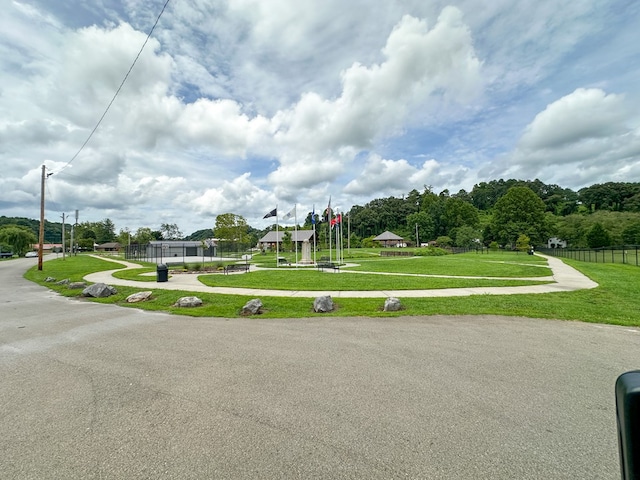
[252, 307]
[323, 304]
[392, 304]
[99, 290]
[188, 302]
[76, 285]
[139, 297]
[63, 282]
[49, 279]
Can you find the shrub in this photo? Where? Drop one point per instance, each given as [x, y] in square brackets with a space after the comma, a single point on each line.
[430, 252]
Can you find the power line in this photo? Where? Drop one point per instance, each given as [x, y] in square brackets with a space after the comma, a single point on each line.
[119, 88]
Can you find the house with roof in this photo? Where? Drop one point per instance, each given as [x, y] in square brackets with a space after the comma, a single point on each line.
[108, 247]
[389, 239]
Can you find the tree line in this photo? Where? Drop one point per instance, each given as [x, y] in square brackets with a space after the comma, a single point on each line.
[495, 212]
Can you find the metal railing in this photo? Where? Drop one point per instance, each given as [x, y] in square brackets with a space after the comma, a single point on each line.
[624, 254]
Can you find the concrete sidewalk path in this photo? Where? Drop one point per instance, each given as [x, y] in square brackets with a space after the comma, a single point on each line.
[565, 279]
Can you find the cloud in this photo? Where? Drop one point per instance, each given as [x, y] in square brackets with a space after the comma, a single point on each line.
[582, 115]
[380, 99]
[420, 62]
[238, 196]
[579, 139]
[393, 177]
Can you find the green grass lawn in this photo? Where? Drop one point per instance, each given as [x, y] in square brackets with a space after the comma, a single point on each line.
[466, 264]
[615, 301]
[311, 279]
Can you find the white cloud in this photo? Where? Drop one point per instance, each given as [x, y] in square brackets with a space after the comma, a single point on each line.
[394, 177]
[419, 62]
[236, 196]
[579, 139]
[582, 115]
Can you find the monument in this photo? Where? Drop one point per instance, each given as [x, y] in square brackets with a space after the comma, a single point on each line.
[306, 253]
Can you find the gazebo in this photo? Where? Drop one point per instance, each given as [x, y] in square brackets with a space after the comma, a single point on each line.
[387, 238]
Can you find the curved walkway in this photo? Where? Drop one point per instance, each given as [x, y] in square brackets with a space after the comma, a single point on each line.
[565, 279]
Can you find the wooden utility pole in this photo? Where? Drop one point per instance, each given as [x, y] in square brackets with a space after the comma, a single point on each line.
[63, 244]
[41, 239]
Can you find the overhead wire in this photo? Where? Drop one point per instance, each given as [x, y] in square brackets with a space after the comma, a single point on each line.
[104, 114]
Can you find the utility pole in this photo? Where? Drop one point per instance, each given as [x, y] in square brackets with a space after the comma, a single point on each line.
[63, 246]
[41, 233]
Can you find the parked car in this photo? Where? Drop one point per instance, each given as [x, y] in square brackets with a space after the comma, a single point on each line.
[31, 254]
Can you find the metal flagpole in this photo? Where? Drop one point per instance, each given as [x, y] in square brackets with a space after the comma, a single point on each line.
[277, 240]
[329, 226]
[295, 229]
[313, 222]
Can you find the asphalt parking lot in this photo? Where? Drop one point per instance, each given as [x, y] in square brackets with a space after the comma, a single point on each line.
[96, 391]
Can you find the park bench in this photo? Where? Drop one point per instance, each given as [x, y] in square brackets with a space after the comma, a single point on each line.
[236, 267]
[283, 261]
[322, 265]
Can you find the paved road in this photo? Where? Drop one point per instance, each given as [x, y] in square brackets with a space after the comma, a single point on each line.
[99, 392]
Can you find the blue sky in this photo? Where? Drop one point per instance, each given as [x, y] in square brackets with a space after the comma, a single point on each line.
[239, 106]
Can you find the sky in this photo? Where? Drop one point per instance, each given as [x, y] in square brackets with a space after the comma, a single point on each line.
[239, 106]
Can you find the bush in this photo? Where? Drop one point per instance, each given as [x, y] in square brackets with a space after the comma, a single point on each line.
[430, 252]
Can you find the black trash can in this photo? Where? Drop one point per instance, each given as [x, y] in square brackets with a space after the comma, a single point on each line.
[162, 273]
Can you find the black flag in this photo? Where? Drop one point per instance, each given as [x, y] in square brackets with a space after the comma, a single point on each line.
[272, 213]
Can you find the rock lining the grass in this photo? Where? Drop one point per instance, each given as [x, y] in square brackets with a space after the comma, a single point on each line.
[139, 297]
[252, 307]
[76, 285]
[188, 302]
[99, 290]
[323, 304]
[392, 304]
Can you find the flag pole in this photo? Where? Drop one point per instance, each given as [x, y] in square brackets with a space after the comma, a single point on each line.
[313, 222]
[277, 240]
[329, 225]
[295, 229]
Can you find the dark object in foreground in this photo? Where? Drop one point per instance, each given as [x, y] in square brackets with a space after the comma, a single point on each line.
[162, 273]
[628, 416]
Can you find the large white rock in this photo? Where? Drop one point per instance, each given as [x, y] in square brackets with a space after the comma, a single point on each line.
[188, 302]
[99, 290]
[323, 304]
[252, 307]
[392, 304]
[139, 297]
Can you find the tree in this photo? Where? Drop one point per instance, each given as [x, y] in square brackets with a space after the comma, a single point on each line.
[232, 231]
[18, 238]
[170, 231]
[143, 236]
[287, 243]
[467, 237]
[631, 234]
[444, 241]
[519, 211]
[458, 213]
[124, 237]
[598, 237]
[523, 243]
[426, 226]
